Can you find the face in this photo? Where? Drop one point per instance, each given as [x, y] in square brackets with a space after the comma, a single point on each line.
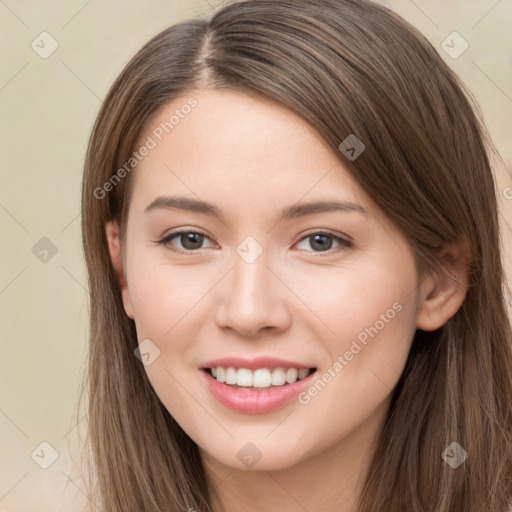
[331, 289]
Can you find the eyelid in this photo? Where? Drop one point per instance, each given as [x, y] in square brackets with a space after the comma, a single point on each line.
[345, 241]
[320, 231]
[164, 240]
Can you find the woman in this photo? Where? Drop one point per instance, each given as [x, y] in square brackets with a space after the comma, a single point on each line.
[238, 359]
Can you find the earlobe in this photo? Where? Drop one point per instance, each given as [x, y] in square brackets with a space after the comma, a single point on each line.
[114, 246]
[443, 291]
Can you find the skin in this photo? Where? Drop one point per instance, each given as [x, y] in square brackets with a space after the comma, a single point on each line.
[252, 158]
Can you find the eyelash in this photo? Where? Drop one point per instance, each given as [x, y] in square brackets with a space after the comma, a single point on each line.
[347, 244]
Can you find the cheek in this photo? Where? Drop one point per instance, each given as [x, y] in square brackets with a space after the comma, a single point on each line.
[167, 301]
[375, 327]
[166, 297]
[370, 311]
[352, 298]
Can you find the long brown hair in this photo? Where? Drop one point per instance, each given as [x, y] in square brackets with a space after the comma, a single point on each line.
[346, 67]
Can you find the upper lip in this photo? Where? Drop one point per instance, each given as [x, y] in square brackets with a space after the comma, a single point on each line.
[254, 364]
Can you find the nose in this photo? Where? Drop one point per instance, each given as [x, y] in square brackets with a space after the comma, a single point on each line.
[252, 299]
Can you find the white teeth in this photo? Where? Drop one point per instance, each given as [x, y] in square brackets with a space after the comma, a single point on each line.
[221, 374]
[260, 378]
[230, 375]
[278, 377]
[304, 372]
[244, 377]
[291, 375]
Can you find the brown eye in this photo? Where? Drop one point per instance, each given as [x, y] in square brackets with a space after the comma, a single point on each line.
[322, 242]
[189, 240]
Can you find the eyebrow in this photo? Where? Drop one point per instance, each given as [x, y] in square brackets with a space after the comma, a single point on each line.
[291, 212]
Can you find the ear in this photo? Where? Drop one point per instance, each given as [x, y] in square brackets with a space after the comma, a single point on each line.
[443, 291]
[112, 232]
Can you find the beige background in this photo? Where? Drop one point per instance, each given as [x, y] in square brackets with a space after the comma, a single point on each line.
[47, 107]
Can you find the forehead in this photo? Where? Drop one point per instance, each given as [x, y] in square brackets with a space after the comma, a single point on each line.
[238, 148]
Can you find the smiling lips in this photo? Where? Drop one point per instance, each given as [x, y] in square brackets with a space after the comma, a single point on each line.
[254, 364]
[259, 378]
[258, 385]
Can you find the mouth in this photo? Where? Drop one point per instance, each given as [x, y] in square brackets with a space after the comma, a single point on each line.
[259, 390]
[258, 379]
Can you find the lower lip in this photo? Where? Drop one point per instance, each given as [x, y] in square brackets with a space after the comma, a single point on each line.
[255, 402]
